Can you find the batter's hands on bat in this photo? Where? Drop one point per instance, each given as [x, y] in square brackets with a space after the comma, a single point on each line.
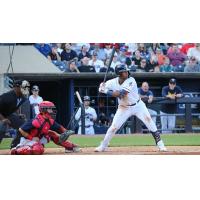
[102, 88]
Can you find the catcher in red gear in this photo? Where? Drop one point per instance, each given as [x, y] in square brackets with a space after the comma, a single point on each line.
[40, 130]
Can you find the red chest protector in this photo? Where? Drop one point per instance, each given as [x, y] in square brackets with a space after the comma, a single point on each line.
[41, 126]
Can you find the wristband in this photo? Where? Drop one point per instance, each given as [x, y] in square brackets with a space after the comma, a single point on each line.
[109, 93]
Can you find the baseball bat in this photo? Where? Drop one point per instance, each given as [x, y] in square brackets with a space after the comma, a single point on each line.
[79, 97]
[109, 64]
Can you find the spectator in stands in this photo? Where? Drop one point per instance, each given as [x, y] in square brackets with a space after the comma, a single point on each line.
[195, 52]
[115, 61]
[68, 54]
[168, 120]
[59, 48]
[108, 50]
[137, 58]
[35, 100]
[160, 57]
[98, 64]
[143, 66]
[124, 56]
[175, 56]
[85, 67]
[43, 48]
[192, 65]
[54, 57]
[184, 49]
[143, 51]
[166, 67]
[84, 53]
[132, 47]
[77, 47]
[147, 96]
[73, 67]
[101, 55]
[104, 69]
[153, 62]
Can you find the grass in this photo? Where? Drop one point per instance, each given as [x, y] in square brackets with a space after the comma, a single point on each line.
[126, 140]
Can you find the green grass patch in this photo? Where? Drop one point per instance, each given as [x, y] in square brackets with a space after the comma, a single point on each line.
[126, 140]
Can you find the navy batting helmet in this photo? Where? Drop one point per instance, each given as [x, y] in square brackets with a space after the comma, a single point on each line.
[86, 98]
[121, 68]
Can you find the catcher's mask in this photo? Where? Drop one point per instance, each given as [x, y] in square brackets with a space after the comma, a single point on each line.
[48, 109]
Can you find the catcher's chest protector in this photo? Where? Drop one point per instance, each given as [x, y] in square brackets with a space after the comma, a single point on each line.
[42, 126]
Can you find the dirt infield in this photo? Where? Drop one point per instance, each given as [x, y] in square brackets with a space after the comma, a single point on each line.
[134, 150]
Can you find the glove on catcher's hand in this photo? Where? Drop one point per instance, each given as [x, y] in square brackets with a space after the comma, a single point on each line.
[64, 136]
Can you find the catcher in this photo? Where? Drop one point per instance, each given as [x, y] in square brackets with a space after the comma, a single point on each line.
[37, 132]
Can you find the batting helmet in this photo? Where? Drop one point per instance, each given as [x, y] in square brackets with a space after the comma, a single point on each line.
[48, 109]
[86, 98]
[121, 68]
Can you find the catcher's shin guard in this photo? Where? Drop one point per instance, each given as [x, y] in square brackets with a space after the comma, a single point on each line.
[156, 136]
[25, 150]
[37, 149]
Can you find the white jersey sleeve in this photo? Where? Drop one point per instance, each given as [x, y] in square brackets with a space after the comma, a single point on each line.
[78, 114]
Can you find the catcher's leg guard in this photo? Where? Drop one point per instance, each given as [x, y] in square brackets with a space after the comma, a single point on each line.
[25, 150]
[37, 149]
[156, 136]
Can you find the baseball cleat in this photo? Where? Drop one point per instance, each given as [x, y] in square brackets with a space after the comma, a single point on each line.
[74, 150]
[100, 149]
[161, 146]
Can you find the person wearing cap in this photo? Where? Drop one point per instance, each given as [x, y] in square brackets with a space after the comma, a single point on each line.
[90, 117]
[35, 100]
[98, 64]
[168, 119]
[10, 102]
[192, 65]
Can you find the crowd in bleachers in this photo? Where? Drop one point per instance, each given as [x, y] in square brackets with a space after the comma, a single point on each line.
[139, 57]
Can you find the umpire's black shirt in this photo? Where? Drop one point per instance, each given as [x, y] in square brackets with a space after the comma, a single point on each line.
[9, 103]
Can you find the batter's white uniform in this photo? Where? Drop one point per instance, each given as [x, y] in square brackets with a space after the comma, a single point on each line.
[129, 105]
[90, 117]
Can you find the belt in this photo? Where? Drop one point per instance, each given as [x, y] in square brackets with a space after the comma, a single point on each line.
[134, 103]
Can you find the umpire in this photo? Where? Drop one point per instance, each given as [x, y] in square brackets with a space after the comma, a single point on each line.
[10, 103]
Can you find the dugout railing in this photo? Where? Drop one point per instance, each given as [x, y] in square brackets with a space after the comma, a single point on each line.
[136, 126]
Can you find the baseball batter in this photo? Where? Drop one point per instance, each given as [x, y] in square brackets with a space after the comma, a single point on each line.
[90, 117]
[125, 89]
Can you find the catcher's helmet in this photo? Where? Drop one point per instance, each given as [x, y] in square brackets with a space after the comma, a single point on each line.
[121, 68]
[48, 109]
[86, 98]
